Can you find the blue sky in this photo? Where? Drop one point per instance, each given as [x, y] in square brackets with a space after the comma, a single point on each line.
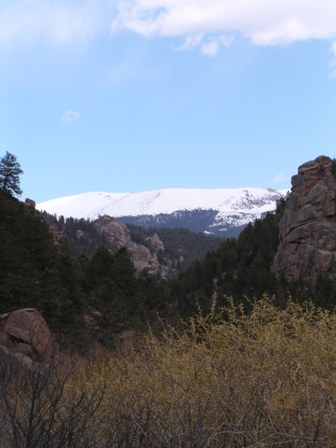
[130, 95]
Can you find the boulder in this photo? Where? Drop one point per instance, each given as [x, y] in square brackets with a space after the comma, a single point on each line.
[27, 326]
[307, 230]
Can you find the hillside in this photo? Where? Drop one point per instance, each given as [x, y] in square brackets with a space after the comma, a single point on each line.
[83, 300]
[35, 271]
[155, 252]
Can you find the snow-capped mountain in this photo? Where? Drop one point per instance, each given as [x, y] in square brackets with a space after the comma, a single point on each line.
[216, 211]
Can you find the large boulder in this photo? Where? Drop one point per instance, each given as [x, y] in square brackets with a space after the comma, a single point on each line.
[307, 230]
[28, 332]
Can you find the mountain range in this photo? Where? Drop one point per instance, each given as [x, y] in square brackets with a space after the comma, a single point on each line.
[221, 212]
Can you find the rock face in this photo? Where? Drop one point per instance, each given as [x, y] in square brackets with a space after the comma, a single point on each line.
[115, 232]
[307, 230]
[119, 236]
[25, 336]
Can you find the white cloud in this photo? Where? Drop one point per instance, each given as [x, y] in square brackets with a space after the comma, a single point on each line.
[210, 48]
[57, 21]
[208, 45]
[264, 22]
[206, 25]
[69, 116]
[227, 39]
[191, 42]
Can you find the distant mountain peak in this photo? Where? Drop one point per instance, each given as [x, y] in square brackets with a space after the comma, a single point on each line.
[172, 207]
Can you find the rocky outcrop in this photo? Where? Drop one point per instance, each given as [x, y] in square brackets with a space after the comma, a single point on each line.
[25, 337]
[116, 233]
[30, 203]
[57, 236]
[155, 242]
[307, 230]
[144, 259]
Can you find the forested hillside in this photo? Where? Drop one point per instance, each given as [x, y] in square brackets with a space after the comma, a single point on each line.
[34, 271]
[82, 281]
[174, 248]
[37, 270]
[302, 266]
[241, 268]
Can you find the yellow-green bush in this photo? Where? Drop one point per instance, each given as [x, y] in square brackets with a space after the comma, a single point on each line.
[228, 380]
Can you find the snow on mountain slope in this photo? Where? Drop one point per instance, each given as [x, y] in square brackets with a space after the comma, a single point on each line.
[85, 205]
[227, 202]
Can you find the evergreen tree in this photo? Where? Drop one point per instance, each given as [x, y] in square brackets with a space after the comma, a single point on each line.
[33, 271]
[10, 172]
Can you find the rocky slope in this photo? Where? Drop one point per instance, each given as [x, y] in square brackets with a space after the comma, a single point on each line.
[159, 253]
[307, 230]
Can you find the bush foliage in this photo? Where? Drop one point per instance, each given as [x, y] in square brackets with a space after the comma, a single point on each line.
[228, 379]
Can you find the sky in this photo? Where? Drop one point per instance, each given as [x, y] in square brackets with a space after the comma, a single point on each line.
[133, 95]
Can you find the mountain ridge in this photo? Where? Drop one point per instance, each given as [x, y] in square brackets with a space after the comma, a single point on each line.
[225, 209]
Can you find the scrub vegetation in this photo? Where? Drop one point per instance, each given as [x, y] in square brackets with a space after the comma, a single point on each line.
[266, 378]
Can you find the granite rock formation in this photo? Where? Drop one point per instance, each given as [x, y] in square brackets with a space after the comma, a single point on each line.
[25, 337]
[307, 230]
[118, 236]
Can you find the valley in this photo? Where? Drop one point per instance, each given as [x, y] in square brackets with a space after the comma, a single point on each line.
[141, 321]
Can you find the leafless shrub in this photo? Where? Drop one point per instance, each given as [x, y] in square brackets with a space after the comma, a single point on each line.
[42, 407]
[263, 380]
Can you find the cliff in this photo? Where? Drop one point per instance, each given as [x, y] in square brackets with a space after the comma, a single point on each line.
[307, 230]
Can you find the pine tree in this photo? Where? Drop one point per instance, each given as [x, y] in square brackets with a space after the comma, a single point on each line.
[10, 172]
